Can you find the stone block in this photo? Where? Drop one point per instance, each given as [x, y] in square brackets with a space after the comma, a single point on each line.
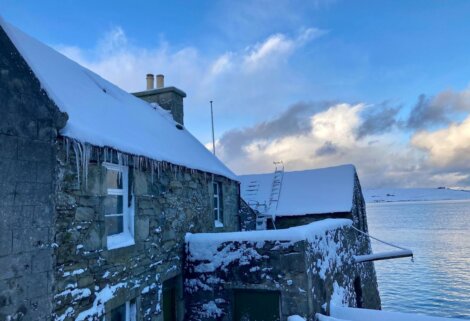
[93, 240]
[142, 228]
[42, 260]
[7, 193]
[8, 169]
[8, 146]
[84, 281]
[14, 266]
[168, 234]
[42, 216]
[140, 183]
[45, 172]
[294, 262]
[41, 307]
[6, 240]
[32, 193]
[6, 215]
[94, 183]
[37, 284]
[84, 214]
[22, 217]
[34, 150]
[25, 240]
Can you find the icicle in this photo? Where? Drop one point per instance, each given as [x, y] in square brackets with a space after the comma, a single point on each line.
[67, 149]
[77, 161]
[86, 153]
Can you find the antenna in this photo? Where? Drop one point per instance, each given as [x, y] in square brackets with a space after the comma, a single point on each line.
[213, 139]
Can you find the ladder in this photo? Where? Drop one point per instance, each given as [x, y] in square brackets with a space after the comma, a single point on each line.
[276, 188]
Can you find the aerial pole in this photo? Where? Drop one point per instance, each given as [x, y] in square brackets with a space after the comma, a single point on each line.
[213, 139]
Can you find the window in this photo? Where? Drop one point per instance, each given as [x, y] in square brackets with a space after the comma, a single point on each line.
[119, 215]
[218, 202]
[125, 312]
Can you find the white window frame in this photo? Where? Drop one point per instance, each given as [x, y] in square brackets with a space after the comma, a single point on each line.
[218, 222]
[131, 310]
[126, 238]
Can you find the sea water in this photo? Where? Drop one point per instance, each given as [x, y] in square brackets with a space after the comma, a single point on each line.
[437, 282]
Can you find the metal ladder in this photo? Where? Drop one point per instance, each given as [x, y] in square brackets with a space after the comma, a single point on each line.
[276, 188]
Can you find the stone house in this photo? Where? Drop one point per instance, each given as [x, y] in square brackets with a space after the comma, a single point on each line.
[307, 196]
[98, 189]
[111, 210]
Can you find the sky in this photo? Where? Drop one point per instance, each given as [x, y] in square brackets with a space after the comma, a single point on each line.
[384, 85]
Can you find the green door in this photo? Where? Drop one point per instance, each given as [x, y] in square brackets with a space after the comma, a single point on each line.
[252, 305]
[169, 300]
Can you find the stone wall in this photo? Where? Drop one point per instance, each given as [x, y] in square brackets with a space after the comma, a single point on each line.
[247, 217]
[29, 122]
[291, 221]
[307, 274]
[167, 205]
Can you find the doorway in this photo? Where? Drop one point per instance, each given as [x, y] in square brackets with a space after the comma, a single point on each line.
[253, 305]
[173, 305]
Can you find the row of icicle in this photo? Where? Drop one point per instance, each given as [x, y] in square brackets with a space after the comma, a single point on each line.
[84, 153]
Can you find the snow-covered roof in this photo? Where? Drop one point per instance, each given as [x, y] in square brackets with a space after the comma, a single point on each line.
[315, 191]
[102, 114]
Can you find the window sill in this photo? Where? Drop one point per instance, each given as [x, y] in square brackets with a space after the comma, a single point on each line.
[120, 240]
[218, 224]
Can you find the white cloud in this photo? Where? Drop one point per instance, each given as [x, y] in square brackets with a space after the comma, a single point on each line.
[237, 80]
[447, 147]
[276, 48]
[383, 159]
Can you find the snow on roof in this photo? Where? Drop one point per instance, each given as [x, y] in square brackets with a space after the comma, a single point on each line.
[315, 191]
[102, 114]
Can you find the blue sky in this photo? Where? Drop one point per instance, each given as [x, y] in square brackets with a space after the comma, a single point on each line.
[258, 60]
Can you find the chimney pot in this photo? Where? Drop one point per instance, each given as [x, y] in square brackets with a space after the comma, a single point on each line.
[150, 82]
[160, 81]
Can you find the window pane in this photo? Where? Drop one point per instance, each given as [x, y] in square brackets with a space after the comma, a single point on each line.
[114, 225]
[113, 204]
[216, 188]
[119, 313]
[216, 203]
[113, 179]
[216, 215]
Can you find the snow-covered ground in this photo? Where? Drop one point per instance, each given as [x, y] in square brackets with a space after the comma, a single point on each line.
[378, 195]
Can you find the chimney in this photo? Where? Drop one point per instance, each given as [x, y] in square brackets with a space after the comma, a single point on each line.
[169, 98]
[150, 81]
[160, 81]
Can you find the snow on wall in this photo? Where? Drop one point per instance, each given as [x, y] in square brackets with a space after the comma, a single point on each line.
[316, 191]
[283, 260]
[104, 115]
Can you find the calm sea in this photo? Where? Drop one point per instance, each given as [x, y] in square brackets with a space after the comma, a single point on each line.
[438, 281]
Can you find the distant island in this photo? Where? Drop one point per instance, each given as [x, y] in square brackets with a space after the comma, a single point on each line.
[380, 195]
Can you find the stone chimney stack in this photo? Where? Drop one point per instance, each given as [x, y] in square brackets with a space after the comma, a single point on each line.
[160, 81]
[169, 98]
[150, 81]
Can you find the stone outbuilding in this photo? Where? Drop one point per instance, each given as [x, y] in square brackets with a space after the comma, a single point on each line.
[306, 196]
[98, 189]
[303, 261]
